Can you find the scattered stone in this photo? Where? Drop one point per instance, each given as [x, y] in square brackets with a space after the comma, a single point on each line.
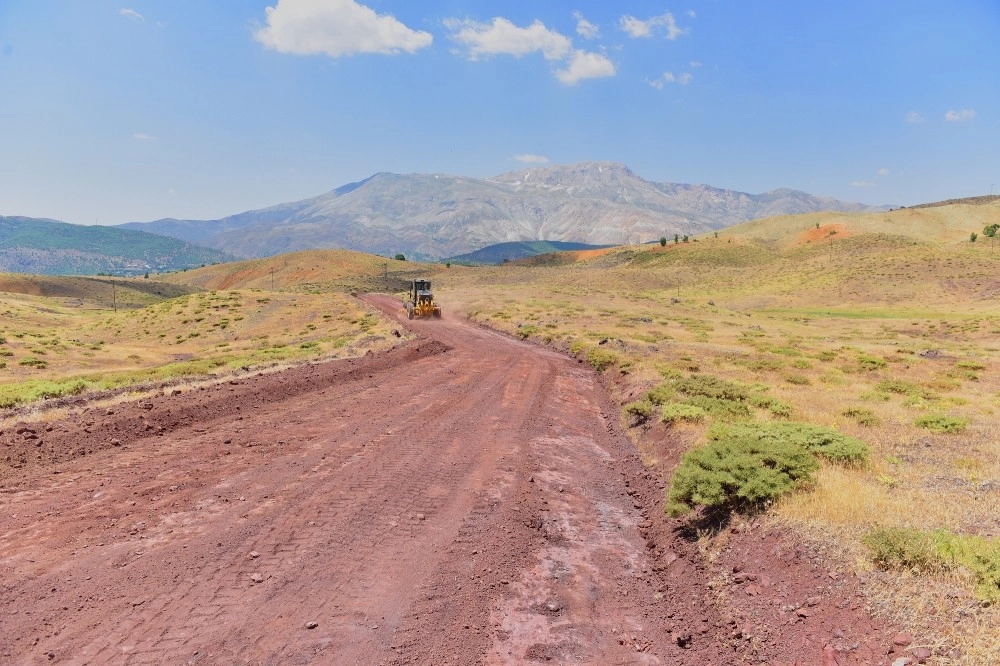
[421, 516]
[902, 661]
[921, 654]
[902, 639]
[254, 554]
[813, 601]
[257, 578]
[312, 624]
[116, 442]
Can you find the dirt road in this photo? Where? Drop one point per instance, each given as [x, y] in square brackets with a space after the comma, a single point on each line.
[463, 499]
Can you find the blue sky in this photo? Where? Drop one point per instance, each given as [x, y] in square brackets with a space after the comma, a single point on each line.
[136, 110]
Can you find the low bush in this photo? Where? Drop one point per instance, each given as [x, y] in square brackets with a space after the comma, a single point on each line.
[737, 473]
[922, 551]
[822, 441]
[661, 394]
[672, 413]
[941, 423]
[862, 416]
[601, 359]
[637, 412]
[712, 387]
[721, 408]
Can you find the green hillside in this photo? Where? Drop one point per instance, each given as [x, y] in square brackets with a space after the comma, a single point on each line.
[30, 245]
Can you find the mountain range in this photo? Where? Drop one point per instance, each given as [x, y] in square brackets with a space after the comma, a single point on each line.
[430, 216]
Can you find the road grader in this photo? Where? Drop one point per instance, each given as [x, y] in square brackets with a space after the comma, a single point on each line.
[421, 301]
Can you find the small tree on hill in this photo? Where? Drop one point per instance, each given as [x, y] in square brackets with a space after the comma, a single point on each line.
[685, 239]
[400, 257]
[677, 238]
[973, 236]
[663, 241]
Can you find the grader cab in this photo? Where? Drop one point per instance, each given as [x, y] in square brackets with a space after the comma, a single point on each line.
[421, 301]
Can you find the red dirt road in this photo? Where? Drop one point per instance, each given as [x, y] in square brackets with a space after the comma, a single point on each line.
[461, 499]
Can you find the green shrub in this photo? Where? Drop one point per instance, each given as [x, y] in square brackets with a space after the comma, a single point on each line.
[33, 362]
[762, 364]
[868, 362]
[900, 387]
[638, 412]
[941, 423]
[862, 416]
[661, 394]
[970, 365]
[797, 379]
[672, 413]
[712, 387]
[737, 473]
[721, 408]
[920, 551]
[601, 359]
[524, 332]
[822, 441]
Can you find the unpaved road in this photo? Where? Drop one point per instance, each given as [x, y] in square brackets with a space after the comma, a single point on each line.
[462, 499]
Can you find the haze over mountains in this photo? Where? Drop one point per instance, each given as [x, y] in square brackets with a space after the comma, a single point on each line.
[437, 215]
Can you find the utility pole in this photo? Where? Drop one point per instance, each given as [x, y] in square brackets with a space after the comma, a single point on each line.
[272, 278]
[114, 297]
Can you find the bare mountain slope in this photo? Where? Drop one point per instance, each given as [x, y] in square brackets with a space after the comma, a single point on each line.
[437, 215]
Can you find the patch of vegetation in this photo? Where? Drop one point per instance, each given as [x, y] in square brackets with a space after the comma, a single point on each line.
[29, 391]
[637, 412]
[938, 550]
[738, 473]
[673, 412]
[862, 416]
[601, 359]
[712, 387]
[824, 442]
[941, 423]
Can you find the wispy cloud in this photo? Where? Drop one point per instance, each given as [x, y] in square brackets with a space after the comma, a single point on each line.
[960, 115]
[638, 29]
[883, 171]
[585, 28]
[501, 37]
[862, 183]
[691, 13]
[585, 65]
[914, 118]
[142, 136]
[336, 28]
[132, 14]
[682, 79]
[528, 158]
[694, 63]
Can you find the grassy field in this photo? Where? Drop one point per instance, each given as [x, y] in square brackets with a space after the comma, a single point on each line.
[64, 336]
[892, 339]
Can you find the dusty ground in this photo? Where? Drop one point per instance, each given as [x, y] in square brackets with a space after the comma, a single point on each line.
[464, 498]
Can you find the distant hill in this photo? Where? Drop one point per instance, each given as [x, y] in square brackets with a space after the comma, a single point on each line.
[503, 252]
[41, 246]
[429, 216]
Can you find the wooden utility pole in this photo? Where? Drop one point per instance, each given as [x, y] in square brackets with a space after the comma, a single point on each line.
[114, 297]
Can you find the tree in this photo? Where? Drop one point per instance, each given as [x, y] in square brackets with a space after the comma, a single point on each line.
[685, 239]
[973, 236]
[400, 257]
[990, 231]
[677, 238]
[663, 241]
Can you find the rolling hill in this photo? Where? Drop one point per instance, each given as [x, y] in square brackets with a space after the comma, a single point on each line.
[32, 245]
[502, 252]
[437, 215]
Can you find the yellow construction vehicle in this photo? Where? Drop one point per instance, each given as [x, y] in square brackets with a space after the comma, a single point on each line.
[421, 301]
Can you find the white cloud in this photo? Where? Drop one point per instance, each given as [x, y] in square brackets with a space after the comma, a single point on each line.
[914, 117]
[691, 13]
[682, 79]
[142, 136]
[528, 158]
[501, 37]
[883, 171]
[862, 183]
[585, 65]
[336, 28]
[585, 28]
[959, 116]
[132, 14]
[694, 63]
[637, 28]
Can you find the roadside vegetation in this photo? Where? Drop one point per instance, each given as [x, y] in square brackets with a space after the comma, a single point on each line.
[847, 384]
[57, 345]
